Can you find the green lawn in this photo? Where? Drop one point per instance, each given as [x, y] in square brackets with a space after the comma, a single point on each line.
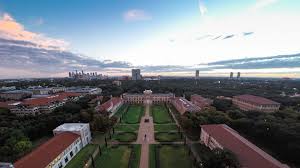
[167, 136]
[133, 115]
[119, 157]
[160, 114]
[127, 127]
[82, 157]
[165, 127]
[174, 156]
[121, 110]
[125, 136]
[152, 156]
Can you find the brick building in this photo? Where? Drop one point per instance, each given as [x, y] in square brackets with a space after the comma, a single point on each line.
[148, 97]
[200, 101]
[42, 105]
[182, 105]
[250, 156]
[255, 103]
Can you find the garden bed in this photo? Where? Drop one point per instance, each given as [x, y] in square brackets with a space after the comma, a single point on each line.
[168, 136]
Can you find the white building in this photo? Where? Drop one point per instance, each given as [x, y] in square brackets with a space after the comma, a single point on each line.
[68, 140]
[78, 128]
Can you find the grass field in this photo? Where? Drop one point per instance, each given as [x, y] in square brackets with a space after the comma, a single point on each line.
[121, 110]
[165, 127]
[133, 115]
[152, 156]
[160, 114]
[119, 157]
[167, 136]
[127, 127]
[82, 157]
[98, 137]
[125, 136]
[171, 156]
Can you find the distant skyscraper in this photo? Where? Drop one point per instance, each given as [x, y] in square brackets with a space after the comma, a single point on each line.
[238, 75]
[231, 75]
[70, 74]
[136, 74]
[197, 74]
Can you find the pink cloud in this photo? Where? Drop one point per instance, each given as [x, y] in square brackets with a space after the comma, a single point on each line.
[12, 30]
[136, 15]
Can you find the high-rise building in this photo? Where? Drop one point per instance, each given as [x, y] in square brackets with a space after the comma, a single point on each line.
[136, 74]
[238, 75]
[231, 75]
[197, 74]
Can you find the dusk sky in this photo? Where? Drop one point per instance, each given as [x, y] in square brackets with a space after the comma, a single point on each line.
[41, 38]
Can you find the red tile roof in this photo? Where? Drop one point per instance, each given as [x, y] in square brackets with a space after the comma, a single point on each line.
[248, 154]
[48, 100]
[47, 152]
[185, 103]
[112, 102]
[256, 100]
[8, 104]
[200, 101]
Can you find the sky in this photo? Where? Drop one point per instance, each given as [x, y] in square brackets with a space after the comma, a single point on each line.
[169, 37]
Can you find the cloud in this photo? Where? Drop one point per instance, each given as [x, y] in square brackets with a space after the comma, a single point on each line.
[228, 37]
[247, 33]
[12, 30]
[202, 8]
[136, 15]
[262, 4]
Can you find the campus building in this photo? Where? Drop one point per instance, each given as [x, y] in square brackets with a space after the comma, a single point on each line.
[255, 103]
[148, 97]
[68, 140]
[36, 106]
[85, 90]
[136, 74]
[201, 101]
[182, 105]
[111, 105]
[15, 95]
[250, 156]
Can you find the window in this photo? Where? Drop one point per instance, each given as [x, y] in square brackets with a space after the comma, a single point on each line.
[76, 149]
[60, 165]
[71, 154]
[66, 159]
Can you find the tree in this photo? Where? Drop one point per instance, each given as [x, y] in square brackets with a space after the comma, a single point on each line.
[222, 159]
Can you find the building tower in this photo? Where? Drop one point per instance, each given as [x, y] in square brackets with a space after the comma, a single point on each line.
[238, 75]
[136, 74]
[231, 75]
[70, 74]
[197, 74]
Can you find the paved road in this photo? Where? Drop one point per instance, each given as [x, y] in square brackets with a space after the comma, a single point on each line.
[145, 137]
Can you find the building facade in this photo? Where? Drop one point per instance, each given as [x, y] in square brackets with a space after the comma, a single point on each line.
[111, 106]
[182, 105]
[42, 105]
[57, 152]
[255, 103]
[201, 101]
[147, 98]
[250, 156]
[15, 95]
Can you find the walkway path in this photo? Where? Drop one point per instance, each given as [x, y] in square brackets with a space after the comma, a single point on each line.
[146, 128]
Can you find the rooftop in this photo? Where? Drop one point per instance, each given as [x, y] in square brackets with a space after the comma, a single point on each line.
[247, 153]
[256, 100]
[47, 152]
[70, 127]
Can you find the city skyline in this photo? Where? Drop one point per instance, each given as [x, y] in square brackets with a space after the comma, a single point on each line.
[171, 38]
